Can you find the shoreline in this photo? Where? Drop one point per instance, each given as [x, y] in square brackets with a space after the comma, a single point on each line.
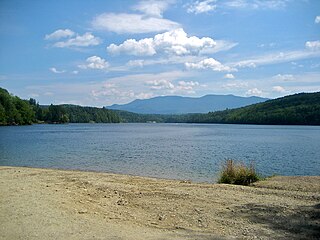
[72, 204]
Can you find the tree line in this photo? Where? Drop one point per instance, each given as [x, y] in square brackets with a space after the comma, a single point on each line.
[16, 111]
[297, 109]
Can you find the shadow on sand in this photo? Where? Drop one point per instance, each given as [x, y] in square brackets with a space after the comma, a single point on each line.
[300, 223]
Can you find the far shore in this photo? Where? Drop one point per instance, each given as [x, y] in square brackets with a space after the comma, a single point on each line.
[59, 204]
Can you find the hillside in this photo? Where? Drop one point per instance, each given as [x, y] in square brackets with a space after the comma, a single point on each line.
[298, 109]
[184, 105]
[16, 111]
[79, 114]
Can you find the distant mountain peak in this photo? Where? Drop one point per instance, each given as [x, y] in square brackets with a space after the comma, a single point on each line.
[182, 105]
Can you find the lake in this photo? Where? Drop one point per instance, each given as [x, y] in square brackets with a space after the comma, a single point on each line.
[178, 151]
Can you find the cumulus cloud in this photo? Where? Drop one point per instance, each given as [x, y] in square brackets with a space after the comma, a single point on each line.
[201, 6]
[229, 76]
[313, 45]
[284, 77]
[54, 70]
[278, 89]
[149, 19]
[60, 33]
[72, 39]
[221, 45]
[254, 92]
[119, 94]
[172, 42]
[169, 87]
[153, 7]
[85, 40]
[137, 63]
[183, 85]
[132, 23]
[95, 62]
[133, 47]
[129, 87]
[317, 19]
[159, 84]
[209, 63]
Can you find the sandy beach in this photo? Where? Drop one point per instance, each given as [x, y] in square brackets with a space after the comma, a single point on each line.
[58, 204]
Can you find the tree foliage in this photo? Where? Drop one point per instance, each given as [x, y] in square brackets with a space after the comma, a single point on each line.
[15, 111]
[78, 114]
[297, 109]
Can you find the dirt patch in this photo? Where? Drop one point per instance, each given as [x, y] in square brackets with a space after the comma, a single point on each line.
[56, 204]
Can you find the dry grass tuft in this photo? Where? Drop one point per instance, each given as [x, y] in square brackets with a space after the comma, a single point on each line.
[238, 173]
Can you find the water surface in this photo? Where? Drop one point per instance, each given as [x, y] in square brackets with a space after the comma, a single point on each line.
[178, 151]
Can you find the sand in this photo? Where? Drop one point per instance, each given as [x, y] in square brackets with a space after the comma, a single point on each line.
[58, 204]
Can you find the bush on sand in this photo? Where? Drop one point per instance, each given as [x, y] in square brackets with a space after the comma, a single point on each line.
[238, 173]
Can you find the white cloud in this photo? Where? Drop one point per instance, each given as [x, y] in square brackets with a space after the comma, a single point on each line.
[274, 58]
[279, 89]
[221, 45]
[267, 45]
[159, 84]
[168, 87]
[254, 92]
[167, 60]
[95, 62]
[75, 72]
[317, 19]
[129, 87]
[60, 33]
[187, 84]
[85, 40]
[183, 85]
[119, 94]
[136, 63]
[256, 4]
[284, 77]
[209, 63]
[149, 19]
[132, 23]
[172, 42]
[236, 84]
[313, 45]
[133, 47]
[54, 70]
[201, 6]
[153, 7]
[229, 76]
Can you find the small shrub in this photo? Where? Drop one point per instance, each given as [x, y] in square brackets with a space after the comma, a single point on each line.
[238, 173]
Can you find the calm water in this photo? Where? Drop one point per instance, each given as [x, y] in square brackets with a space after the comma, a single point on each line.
[179, 151]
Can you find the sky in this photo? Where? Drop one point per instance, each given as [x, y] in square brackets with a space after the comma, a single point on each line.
[99, 53]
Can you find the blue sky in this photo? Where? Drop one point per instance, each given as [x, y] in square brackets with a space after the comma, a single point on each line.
[104, 52]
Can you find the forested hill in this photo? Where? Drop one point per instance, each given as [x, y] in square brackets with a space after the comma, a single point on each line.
[297, 109]
[185, 105]
[16, 111]
[79, 114]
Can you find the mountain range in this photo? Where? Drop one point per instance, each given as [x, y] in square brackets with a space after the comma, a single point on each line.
[183, 105]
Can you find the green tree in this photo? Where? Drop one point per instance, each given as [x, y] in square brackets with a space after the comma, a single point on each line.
[3, 120]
